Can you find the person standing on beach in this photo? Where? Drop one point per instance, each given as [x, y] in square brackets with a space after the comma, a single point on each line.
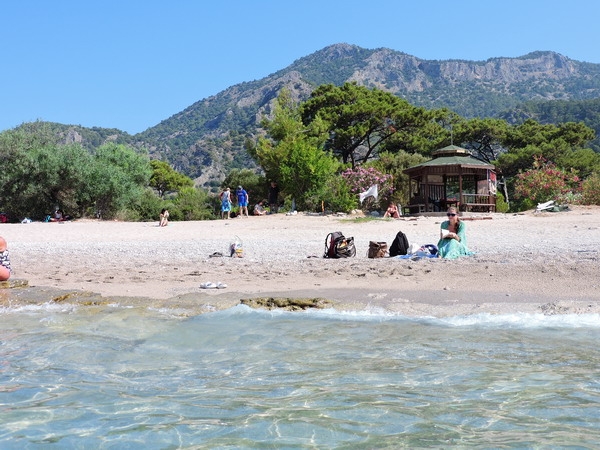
[225, 203]
[273, 197]
[453, 237]
[242, 198]
[5, 269]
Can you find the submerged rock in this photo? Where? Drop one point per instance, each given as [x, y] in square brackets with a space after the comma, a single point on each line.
[13, 283]
[289, 304]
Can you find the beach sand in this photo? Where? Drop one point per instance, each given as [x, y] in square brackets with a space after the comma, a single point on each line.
[544, 263]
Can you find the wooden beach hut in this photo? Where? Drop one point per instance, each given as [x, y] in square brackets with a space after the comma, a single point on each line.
[451, 178]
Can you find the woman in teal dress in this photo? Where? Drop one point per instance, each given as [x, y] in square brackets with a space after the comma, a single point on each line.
[453, 237]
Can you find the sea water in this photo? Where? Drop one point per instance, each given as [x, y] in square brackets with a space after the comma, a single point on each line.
[118, 378]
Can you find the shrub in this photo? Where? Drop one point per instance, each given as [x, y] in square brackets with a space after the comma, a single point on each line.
[361, 179]
[339, 198]
[546, 182]
[501, 205]
[591, 190]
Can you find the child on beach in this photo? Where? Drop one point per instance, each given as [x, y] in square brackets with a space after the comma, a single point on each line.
[5, 269]
[164, 218]
[392, 211]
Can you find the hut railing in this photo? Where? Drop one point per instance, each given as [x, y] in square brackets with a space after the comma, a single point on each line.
[478, 202]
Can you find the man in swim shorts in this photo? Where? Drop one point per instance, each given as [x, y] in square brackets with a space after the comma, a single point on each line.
[242, 197]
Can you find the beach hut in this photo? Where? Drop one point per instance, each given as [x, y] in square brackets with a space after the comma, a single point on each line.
[453, 177]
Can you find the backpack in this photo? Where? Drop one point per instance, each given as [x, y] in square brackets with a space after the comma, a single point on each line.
[400, 245]
[338, 246]
[377, 249]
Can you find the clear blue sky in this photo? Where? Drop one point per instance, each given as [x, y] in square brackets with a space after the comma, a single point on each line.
[129, 64]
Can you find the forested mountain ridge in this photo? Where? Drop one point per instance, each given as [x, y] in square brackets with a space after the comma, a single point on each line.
[207, 139]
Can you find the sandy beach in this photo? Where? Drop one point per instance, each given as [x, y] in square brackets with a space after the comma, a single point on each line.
[529, 262]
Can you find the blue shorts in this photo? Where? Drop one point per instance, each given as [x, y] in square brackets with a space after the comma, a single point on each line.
[243, 204]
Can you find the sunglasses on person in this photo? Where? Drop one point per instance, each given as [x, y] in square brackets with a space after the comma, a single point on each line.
[451, 214]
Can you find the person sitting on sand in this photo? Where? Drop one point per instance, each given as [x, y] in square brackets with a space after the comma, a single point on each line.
[259, 209]
[392, 211]
[163, 218]
[453, 238]
[5, 269]
[59, 216]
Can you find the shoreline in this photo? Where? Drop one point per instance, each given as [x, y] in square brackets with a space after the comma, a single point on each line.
[533, 263]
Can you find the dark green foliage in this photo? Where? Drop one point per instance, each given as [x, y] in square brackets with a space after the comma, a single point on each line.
[359, 120]
[254, 184]
[192, 204]
[41, 175]
[501, 205]
[337, 196]
[560, 111]
[165, 179]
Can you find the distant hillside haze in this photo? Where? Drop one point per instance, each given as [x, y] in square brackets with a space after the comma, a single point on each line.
[206, 139]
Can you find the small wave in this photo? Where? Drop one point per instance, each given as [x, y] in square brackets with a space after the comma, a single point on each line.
[512, 320]
[523, 320]
[41, 307]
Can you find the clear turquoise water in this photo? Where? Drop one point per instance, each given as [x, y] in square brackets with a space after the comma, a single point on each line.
[130, 378]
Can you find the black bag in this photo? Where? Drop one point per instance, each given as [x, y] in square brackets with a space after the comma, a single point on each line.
[400, 245]
[377, 249]
[338, 246]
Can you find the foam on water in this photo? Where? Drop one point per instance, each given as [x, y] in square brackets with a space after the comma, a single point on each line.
[512, 320]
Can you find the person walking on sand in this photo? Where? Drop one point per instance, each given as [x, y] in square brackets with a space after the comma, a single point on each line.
[225, 203]
[242, 198]
[5, 269]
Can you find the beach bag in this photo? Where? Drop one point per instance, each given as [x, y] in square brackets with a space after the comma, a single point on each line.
[399, 245]
[339, 246]
[236, 249]
[377, 249]
[431, 248]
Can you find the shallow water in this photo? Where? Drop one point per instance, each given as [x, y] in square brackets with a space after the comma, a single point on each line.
[134, 378]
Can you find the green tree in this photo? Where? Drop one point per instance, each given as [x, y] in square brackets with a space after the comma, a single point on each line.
[118, 178]
[562, 144]
[394, 165]
[484, 137]
[292, 154]
[359, 120]
[305, 174]
[254, 184]
[192, 204]
[166, 179]
[39, 175]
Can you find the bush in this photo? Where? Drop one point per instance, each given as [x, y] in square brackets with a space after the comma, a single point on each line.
[546, 182]
[501, 205]
[192, 204]
[338, 197]
[361, 179]
[591, 190]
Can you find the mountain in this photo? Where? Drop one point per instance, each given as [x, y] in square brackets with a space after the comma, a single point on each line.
[207, 139]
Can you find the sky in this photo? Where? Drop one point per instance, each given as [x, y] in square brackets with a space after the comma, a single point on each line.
[130, 64]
